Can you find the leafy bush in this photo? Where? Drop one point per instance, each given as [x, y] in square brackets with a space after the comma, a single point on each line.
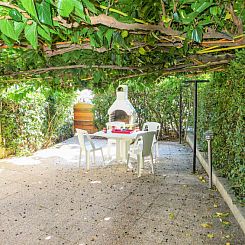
[32, 118]
[59, 116]
[221, 109]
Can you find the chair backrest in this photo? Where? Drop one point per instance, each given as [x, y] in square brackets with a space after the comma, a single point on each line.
[152, 126]
[147, 143]
[83, 138]
[116, 124]
[144, 141]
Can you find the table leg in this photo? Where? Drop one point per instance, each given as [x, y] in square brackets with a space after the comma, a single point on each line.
[125, 149]
[118, 149]
[122, 148]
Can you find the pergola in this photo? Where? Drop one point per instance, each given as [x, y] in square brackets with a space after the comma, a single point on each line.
[112, 40]
[91, 43]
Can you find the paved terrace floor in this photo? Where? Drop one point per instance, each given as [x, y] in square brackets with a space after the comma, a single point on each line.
[46, 199]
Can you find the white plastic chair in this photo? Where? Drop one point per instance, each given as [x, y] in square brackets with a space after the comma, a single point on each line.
[109, 125]
[88, 146]
[153, 126]
[142, 148]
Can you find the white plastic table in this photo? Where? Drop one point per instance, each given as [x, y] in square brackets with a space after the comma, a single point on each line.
[122, 142]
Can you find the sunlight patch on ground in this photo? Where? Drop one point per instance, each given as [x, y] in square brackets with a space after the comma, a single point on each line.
[24, 161]
[67, 152]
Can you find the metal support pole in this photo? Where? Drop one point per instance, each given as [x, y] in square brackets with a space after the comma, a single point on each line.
[195, 128]
[180, 114]
[210, 164]
[195, 120]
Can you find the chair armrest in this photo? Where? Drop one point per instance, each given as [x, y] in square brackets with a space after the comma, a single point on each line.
[90, 141]
[136, 145]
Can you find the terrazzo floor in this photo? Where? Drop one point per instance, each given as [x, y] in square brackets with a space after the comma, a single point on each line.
[47, 199]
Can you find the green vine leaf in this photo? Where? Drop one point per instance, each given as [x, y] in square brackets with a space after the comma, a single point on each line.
[142, 51]
[124, 34]
[44, 13]
[6, 40]
[79, 9]
[228, 16]
[15, 15]
[199, 7]
[100, 34]
[108, 36]
[30, 7]
[44, 32]
[7, 28]
[90, 6]
[19, 27]
[65, 7]
[185, 19]
[94, 40]
[205, 22]
[166, 19]
[31, 34]
[214, 10]
[197, 34]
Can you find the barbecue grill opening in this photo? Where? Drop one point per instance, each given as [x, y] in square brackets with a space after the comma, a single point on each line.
[120, 89]
[120, 115]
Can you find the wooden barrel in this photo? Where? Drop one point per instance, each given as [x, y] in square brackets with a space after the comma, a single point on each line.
[84, 117]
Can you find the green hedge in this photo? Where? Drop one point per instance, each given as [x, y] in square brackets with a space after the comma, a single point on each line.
[221, 109]
[33, 118]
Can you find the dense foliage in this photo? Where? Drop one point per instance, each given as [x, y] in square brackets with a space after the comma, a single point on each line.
[34, 117]
[121, 38]
[221, 109]
[51, 21]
